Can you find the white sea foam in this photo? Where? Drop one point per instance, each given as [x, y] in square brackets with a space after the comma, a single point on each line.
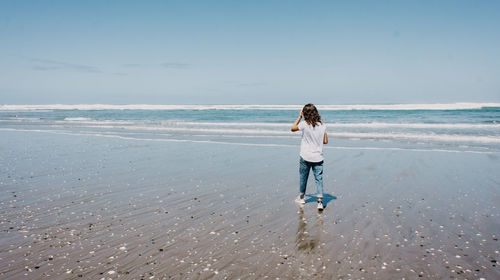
[438, 106]
[93, 121]
[77, 119]
[190, 129]
[21, 119]
[244, 144]
[378, 131]
[341, 125]
[441, 137]
[371, 125]
[417, 125]
[448, 138]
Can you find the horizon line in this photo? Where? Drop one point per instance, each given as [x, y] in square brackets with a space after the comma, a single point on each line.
[395, 106]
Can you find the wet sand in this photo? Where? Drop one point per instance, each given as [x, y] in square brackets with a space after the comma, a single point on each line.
[89, 207]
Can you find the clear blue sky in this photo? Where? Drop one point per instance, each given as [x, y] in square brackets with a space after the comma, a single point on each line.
[249, 52]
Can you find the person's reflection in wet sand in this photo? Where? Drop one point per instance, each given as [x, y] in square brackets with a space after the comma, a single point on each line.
[308, 244]
[306, 241]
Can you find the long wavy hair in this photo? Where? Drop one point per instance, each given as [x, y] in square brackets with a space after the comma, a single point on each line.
[311, 115]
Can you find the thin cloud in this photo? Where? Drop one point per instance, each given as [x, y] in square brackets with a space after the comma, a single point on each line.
[246, 84]
[169, 65]
[175, 65]
[133, 65]
[45, 68]
[53, 65]
[256, 84]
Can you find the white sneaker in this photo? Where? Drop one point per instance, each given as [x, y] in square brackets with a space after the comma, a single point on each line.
[320, 206]
[300, 200]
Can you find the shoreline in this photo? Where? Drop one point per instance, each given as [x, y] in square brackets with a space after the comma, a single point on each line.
[354, 147]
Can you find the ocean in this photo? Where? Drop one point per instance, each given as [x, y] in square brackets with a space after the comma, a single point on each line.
[458, 127]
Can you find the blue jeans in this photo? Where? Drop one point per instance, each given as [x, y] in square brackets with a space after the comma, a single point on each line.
[304, 168]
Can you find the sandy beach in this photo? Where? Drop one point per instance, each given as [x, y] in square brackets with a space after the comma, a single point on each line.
[74, 206]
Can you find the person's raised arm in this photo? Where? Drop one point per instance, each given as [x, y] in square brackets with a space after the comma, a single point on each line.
[325, 138]
[295, 125]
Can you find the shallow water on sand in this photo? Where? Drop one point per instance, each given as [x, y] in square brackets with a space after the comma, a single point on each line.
[84, 206]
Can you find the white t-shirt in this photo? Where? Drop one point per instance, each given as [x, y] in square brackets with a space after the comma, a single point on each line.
[311, 147]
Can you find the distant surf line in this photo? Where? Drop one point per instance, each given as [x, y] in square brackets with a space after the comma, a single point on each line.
[420, 106]
[241, 144]
[447, 138]
[162, 123]
[232, 132]
[347, 125]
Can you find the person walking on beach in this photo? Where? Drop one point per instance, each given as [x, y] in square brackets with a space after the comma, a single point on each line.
[311, 150]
